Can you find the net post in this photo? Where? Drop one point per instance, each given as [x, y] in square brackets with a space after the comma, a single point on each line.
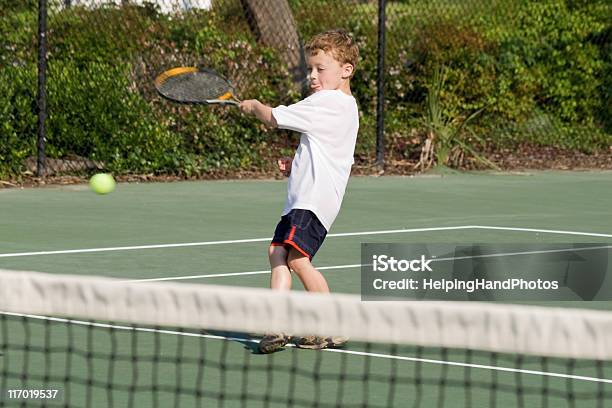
[41, 165]
[380, 80]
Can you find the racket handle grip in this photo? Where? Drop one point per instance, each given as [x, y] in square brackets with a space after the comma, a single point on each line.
[224, 101]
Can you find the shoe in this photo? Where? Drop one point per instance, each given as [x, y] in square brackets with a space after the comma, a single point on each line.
[273, 342]
[318, 343]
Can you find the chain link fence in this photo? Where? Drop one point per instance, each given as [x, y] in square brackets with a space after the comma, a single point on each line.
[460, 81]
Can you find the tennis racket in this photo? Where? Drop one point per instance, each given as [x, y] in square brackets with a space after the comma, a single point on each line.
[197, 86]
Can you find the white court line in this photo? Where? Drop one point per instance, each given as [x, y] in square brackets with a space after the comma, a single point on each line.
[131, 248]
[351, 352]
[550, 251]
[223, 275]
[560, 232]
[486, 367]
[350, 266]
[206, 243]
[242, 241]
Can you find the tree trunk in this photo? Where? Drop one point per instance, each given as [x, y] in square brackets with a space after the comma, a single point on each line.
[272, 23]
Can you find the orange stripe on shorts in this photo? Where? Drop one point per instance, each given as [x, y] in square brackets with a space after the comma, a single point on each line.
[297, 248]
[291, 234]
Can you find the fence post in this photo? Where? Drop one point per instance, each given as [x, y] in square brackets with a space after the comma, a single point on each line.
[41, 163]
[380, 84]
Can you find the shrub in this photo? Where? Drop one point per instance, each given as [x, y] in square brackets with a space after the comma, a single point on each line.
[536, 71]
[17, 117]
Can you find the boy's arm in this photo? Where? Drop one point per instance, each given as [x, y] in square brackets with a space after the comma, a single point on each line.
[261, 111]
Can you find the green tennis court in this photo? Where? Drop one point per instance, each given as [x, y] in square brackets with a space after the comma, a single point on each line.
[187, 219]
[217, 233]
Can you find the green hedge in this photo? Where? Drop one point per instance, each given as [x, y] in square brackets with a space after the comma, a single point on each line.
[17, 117]
[540, 70]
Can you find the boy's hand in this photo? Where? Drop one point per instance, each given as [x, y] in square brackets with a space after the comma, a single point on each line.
[248, 106]
[284, 165]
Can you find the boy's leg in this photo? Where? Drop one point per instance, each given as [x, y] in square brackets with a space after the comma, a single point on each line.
[280, 278]
[298, 234]
[312, 279]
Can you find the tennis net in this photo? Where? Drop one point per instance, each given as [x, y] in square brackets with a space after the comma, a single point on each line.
[74, 341]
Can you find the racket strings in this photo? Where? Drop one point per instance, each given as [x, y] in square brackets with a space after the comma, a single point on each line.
[195, 87]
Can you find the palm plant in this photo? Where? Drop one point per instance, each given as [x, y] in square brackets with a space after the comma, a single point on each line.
[446, 141]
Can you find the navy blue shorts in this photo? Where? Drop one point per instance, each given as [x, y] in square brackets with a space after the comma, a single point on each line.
[301, 230]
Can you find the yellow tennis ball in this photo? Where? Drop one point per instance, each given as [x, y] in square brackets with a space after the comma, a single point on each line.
[102, 183]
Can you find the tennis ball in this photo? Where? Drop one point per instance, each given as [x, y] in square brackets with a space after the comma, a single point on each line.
[102, 183]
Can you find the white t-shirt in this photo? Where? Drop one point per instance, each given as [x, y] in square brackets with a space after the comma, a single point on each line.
[328, 121]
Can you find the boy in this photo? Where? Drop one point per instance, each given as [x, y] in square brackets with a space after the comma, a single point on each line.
[328, 120]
